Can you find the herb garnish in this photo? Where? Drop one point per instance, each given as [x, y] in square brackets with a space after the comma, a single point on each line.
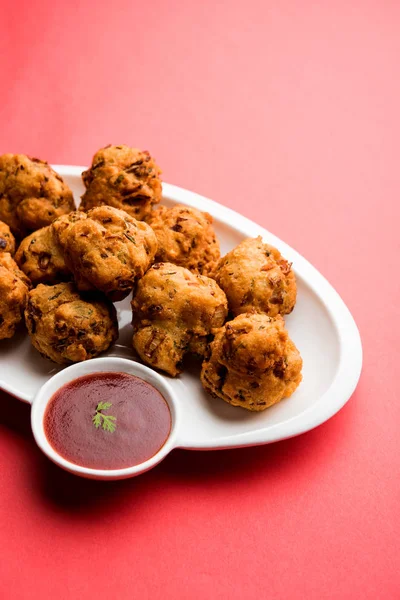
[130, 238]
[106, 421]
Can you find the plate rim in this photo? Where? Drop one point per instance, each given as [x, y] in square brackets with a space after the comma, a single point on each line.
[350, 347]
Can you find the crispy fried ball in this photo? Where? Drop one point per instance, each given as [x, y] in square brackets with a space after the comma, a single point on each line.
[7, 240]
[107, 250]
[122, 177]
[174, 312]
[255, 277]
[253, 363]
[68, 327]
[185, 237]
[14, 288]
[40, 257]
[32, 195]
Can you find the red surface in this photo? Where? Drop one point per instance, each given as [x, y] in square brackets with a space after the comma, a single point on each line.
[289, 113]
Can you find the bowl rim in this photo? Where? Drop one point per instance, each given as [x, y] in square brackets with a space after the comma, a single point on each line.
[99, 365]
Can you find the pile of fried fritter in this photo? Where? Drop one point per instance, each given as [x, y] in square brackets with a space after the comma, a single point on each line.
[61, 269]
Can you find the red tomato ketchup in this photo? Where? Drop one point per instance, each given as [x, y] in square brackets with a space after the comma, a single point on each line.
[107, 421]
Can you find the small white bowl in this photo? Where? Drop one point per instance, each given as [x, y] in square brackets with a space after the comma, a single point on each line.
[98, 365]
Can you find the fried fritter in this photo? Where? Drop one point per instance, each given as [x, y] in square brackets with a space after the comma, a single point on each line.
[253, 363]
[122, 177]
[39, 256]
[7, 240]
[67, 327]
[255, 277]
[14, 288]
[32, 195]
[185, 237]
[174, 313]
[107, 250]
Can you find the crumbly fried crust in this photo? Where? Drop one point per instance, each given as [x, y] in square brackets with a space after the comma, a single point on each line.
[67, 327]
[40, 257]
[122, 177]
[252, 363]
[255, 277]
[185, 237]
[7, 240]
[32, 194]
[14, 288]
[174, 312]
[106, 249]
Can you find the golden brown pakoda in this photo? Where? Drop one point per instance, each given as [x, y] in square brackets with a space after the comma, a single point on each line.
[7, 240]
[256, 277]
[32, 195]
[40, 257]
[107, 250]
[185, 237]
[68, 327]
[122, 177]
[174, 313]
[252, 362]
[14, 288]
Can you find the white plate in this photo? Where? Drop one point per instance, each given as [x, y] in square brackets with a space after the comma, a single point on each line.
[321, 327]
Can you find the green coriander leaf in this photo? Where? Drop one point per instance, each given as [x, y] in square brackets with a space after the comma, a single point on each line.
[108, 424]
[106, 421]
[103, 405]
[96, 420]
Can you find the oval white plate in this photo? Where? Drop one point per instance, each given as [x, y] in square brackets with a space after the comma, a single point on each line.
[321, 326]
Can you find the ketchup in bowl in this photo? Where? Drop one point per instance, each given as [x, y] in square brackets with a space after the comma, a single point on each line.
[107, 421]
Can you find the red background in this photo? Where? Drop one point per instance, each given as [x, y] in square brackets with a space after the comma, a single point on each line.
[289, 113]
